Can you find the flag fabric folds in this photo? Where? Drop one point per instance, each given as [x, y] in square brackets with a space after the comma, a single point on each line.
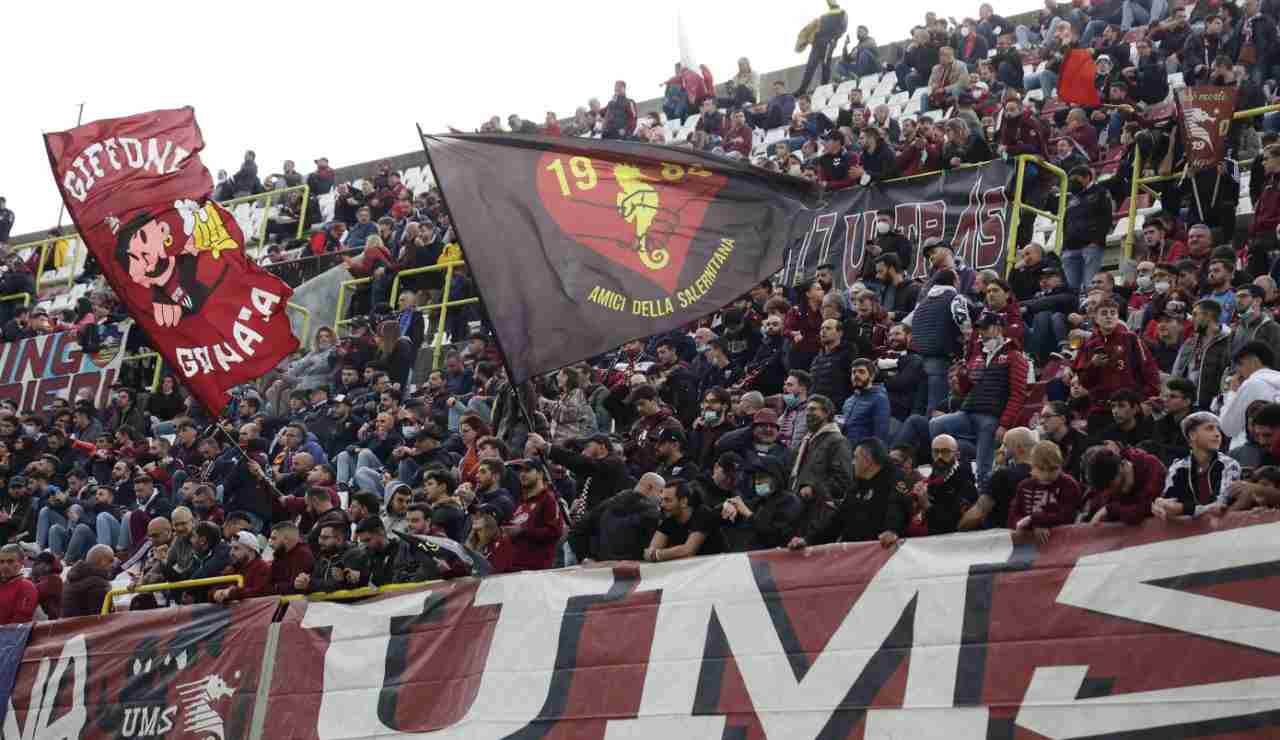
[579, 245]
[1076, 79]
[141, 200]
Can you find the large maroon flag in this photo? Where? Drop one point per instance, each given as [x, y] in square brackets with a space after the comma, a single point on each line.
[140, 197]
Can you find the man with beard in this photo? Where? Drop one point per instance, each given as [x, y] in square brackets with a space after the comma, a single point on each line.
[867, 331]
[756, 444]
[1219, 287]
[830, 369]
[653, 418]
[671, 461]
[246, 563]
[1254, 322]
[992, 507]
[1206, 356]
[767, 371]
[719, 372]
[322, 510]
[536, 526]
[676, 384]
[902, 372]
[866, 411]
[713, 423]
[687, 529]
[875, 508]
[18, 515]
[492, 496]
[939, 500]
[899, 293]
[822, 464]
[292, 560]
[795, 398]
[327, 572]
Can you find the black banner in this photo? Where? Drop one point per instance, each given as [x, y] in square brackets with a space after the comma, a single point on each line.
[580, 245]
[970, 208]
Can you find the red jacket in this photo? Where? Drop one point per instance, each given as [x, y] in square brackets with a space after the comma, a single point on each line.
[910, 162]
[738, 139]
[257, 579]
[1087, 137]
[285, 569]
[1048, 504]
[535, 528]
[1266, 216]
[1129, 365]
[18, 600]
[1148, 485]
[1014, 327]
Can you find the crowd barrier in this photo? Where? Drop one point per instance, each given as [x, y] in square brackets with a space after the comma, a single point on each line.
[442, 307]
[1163, 630]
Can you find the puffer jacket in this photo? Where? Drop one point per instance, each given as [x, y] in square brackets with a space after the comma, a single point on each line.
[866, 415]
[1088, 218]
[619, 528]
[313, 370]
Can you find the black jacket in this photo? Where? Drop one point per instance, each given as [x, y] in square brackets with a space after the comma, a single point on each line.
[872, 507]
[619, 528]
[830, 371]
[598, 479]
[1088, 218]
[773, 517]
[902, 382]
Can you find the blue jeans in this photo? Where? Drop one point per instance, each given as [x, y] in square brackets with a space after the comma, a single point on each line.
[348, 470]
[980, 429]
[908, 78]
[1044, 79]
[163, 428]
[106, 531]
[1080, 265]
[473, 406]
[935, 370]
[46, 520]
[1048, 329]
[915, 432]
[1271, 122]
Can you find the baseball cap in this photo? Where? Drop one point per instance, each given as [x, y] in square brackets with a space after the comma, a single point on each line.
[765, 417]
[669, 434]
[522, 462]
[931, 244]
[247, 539]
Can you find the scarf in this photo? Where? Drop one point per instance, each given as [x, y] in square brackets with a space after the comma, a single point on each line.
[804, 446]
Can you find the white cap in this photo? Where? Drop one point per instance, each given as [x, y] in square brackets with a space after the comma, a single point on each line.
[247, 539]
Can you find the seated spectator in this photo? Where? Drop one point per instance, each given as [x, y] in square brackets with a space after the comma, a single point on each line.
[88, 583]
[687, 528]
[964, 146]
[1131, 425]
[1201, 482]
[291, 558]
[992, 507]
[948, 79]
[1124, 484]
[18, 596]
[1206, 355]
[1176, 402]
[874, 509]
[246, 562]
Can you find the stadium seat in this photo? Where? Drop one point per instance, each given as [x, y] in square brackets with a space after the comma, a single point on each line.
[1037, 94]
[774, 135]
[819, 101]
[832, 112]
[875, 100]
[868, 83]
[899, 99]
[1176, 81]
[826, 91]
[327, 204]
[891, 76]
[885, 88]
[691, 122]
[842, 92]
[936, 115]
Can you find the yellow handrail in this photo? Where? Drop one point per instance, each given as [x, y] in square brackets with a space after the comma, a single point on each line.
[338, 321]
[155, 376]
[270, 196]
[444, 305]
[175, 586]
[355, 593]
[43, 245]
[24, 297]
[306, 323]
[1015, 219]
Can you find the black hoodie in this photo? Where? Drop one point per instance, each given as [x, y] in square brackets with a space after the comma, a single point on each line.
[618, 528]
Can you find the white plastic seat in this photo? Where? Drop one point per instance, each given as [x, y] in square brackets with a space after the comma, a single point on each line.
[774, 135]
[899, 99]
[832, 112]
[869, 83]
[889, 76]
[842, 92]
[828, 90]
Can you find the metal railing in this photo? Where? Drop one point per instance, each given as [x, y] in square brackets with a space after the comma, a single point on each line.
[42, 246]
[24, 297]
[356, 593]
[269, 197]
[174, 586]
[306, 324]
[443, 306]
[155, 375]
[1015, 220]
[1140, 182]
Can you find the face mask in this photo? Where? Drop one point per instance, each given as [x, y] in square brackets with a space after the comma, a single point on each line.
[763, 489]
[882, 228]
[410, 432]
[790, 399]
[795, 170]
[1163, 286]
[1144, 282]
[703, 348]
[711, 417]
[30, 430]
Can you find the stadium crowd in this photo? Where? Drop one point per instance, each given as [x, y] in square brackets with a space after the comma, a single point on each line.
[1061, 393]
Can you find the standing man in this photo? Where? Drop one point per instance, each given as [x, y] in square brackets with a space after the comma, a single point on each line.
[536, 525]
[823, 463]
[830, 369]
[939, 328]
[821, 36]
[6, 222]
[875, 509]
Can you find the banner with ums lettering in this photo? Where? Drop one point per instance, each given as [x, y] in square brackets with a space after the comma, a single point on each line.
[579, 245]
[141, 199]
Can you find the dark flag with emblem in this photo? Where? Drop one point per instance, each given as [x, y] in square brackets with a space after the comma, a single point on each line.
[578, 245]
[1205, 112]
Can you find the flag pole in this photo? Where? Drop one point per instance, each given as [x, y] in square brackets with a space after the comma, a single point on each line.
[62, 206]
[525, 413]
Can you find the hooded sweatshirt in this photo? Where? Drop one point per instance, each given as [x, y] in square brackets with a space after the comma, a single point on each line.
[1263, 385]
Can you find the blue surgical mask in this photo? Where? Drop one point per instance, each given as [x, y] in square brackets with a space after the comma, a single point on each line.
[764, 489]
[711, 416]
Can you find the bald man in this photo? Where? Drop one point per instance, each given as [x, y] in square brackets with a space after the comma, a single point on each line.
[177, 564]
[621, 526]
[992, 507]
[948, 491]
[651, 485]
[88, 583]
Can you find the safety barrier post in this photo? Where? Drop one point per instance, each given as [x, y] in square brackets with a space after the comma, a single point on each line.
[438, 341]
[338, 321]
[175, 586]
[267, 198]
[306, 323]
[24, 297]
[443, 305]
[1015, 220]
[155, 375]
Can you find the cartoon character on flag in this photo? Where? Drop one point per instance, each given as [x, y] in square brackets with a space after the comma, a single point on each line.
[180, 276]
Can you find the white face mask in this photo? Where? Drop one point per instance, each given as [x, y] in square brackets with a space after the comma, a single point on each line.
[795, 170]
[1163, 286]
[992, 344]
[882, 228]
[1144, 282]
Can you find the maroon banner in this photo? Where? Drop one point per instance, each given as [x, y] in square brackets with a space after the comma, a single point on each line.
[190, 672]
[1206, 112]
[140, 198]
[1160, 631]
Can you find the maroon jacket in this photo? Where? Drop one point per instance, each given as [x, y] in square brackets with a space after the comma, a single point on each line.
[1148, 485]
[738, 139]
[1129, 365]
[257, 579]
[285, 569]
[1048, 504]
[1266, 216]
[18, 601]
[535, 528]
[1087, 137]
[1024, 135]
